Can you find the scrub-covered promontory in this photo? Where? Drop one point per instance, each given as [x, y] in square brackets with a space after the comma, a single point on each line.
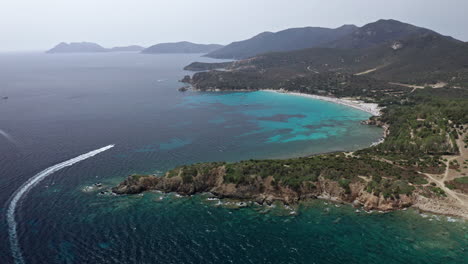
[413, 166]
[334, 176]
[416, 76]
[181, 47]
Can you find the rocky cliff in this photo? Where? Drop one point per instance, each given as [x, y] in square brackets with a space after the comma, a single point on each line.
[262, 190]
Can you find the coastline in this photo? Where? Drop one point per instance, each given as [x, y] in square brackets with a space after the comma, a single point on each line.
[264, 193]
[370, 108]
[440, 205]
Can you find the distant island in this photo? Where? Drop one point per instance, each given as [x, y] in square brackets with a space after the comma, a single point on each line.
[417, 77]
[89, 47]
[177, 47]
[181, 47]
[77, 47]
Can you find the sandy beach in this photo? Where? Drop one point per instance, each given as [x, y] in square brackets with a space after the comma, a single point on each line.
[370, 108]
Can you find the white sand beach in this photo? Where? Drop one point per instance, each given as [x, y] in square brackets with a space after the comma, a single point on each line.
[370, 108]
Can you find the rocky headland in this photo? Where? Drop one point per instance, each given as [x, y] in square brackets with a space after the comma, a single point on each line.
[266, 191]
[344, 178]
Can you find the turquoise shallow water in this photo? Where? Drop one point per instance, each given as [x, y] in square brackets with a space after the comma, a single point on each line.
[62, 106]
[279, 119]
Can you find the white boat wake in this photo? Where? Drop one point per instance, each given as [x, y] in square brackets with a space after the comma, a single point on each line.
[27, 186]
[7, 136]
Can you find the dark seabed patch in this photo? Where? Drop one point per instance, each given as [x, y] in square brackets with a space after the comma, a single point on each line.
[280, 117]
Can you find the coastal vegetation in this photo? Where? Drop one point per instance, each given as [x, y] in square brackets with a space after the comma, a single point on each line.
[381, 177]
[422, 128]
[201, 66]
[424, 122]
[181, 47]
[327, 83]
[460, 183]
[408, 55]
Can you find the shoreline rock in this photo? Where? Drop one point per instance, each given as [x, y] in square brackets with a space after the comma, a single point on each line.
[262, 192]
[184, 88]
[267, 191]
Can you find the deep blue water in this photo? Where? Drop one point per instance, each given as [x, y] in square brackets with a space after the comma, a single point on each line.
[61, 106]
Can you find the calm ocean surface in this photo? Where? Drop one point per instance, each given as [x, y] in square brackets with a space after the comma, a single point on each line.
[61, 106]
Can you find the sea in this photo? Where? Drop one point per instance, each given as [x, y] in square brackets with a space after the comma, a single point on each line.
[121, 114]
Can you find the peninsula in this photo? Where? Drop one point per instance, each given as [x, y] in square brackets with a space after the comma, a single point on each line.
[181, 47]
[413, 80]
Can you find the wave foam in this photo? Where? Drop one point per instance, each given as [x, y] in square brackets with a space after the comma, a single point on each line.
[7, 136]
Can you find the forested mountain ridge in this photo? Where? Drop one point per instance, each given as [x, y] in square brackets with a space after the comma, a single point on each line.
[285, 40]
[344, 37]
[411, 55]
[379, 32]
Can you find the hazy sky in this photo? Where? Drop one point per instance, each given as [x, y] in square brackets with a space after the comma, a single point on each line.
[40, 24]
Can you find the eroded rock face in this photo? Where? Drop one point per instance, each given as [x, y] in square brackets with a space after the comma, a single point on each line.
[262, 190]
[134, 184]
[372, 202]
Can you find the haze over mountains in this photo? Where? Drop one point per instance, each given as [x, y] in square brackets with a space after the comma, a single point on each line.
[344, 37]
[176, 47]
[89, 47]
[128, 48]
[385, 49]
[182, 47]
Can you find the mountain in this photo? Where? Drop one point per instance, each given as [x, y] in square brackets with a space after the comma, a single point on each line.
[127, 48]
[414, 55]
[77, 47]
[181, 47]
[377, 33]
[419, 58]
[387, 50]
[286, 40]
[344, 37]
